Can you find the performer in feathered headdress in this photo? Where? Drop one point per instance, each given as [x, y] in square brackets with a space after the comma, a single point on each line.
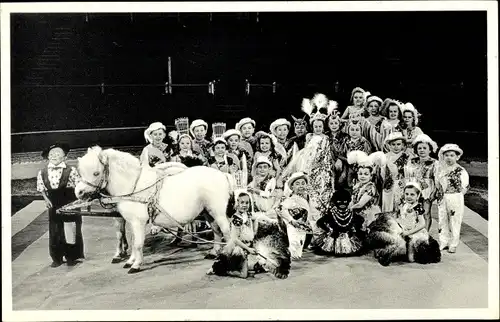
[422, 169]
[365, 193]
[318, 109]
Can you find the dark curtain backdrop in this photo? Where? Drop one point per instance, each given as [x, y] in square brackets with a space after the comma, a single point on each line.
[436, 60]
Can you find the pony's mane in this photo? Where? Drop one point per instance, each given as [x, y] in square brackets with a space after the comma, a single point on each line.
[123, 161]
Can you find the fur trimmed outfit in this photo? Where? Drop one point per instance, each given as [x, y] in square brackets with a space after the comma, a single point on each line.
[155, 154]
[298, 208]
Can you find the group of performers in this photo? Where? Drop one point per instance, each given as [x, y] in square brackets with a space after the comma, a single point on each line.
[328, 180]
[334, 174]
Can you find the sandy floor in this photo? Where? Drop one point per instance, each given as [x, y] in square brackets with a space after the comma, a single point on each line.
[175, 278]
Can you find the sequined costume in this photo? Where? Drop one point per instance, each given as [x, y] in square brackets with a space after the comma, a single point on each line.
[393, 178]
[370, 209]
[423, 172]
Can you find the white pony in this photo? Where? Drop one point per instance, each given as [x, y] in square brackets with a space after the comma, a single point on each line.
[182, 195]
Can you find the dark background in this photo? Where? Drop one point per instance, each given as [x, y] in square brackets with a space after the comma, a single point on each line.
[435, 60]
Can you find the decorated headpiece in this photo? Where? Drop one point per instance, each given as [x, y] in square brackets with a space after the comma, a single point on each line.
[414, 184]
[361, 159]
[61, 146]
[408, 107]
[261, 159]
[277, 123]
[357, 90]
[318, 103]
[450, 147]
[384, 110]
[424, 138]
[197, 123]
[244, 121]
[373, 98]
[153, 127]
[300, 121]
[182, 125]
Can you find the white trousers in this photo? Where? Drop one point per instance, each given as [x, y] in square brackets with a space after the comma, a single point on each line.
[451, 213]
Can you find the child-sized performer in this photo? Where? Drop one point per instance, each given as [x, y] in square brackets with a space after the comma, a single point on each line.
[343, 228]
[233, 259]
[300, 130]
[355, 142]
[453, 183]
[280, 129]
[222, 160]
[373, 106]
[246, 126]
[365, 194]
[184, 150]
[403, 233]
[233, 139]
[201, 145]
[267, 146]
[156, 151]
[295, 210]
[263, 184]
[393, 174]
[409, 126]
[422, 169]
[358, 98]
[56, 183]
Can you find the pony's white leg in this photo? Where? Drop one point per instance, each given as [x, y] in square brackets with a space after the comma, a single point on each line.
[119, 224]
[139, 230]
[222, 223]
[217, 240]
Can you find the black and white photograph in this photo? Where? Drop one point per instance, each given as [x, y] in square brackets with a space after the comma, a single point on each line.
[295, 160]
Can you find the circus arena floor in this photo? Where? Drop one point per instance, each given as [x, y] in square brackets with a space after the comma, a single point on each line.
[174, 277]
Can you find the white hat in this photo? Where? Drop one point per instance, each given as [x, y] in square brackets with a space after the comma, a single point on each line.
[393, 137]
[424, 138]
[231, 132]
[153, 127]
[450, 147]
[279, 122]
[196, 123]
[294, 177]
[374, 98]
[414, 184]
[408, 107]
[219, 139]
[263, 159]
[244, 121]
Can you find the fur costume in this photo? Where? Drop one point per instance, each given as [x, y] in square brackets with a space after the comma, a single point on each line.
[385, 237]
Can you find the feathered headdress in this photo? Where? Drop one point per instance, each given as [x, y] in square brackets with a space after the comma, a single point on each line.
[182, 125]
[318, 103]
[361, 159]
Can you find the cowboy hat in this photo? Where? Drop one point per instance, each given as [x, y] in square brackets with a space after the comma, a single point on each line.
[62, 146]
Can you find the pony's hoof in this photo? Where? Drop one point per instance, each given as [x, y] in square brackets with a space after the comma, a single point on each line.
[116, 260]
[210, 256]
[123, 255]
[127, 265]
[134, 270]
[281, 276]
